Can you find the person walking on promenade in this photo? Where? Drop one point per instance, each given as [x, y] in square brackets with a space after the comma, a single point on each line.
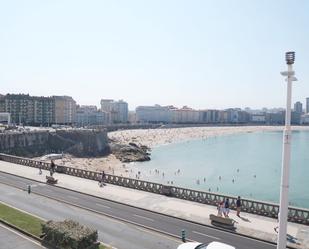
[40, 168]
[220, 208]
[238, 206]
[102, 179]
[226, 208]
[52, 168]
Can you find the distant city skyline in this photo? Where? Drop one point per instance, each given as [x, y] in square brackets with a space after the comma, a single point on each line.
[298, 105]
[203, 54]
[63, 110]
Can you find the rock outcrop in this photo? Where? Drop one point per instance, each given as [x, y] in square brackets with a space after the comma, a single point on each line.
[130, 152]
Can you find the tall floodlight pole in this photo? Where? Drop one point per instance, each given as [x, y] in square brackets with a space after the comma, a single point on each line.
[286, 154]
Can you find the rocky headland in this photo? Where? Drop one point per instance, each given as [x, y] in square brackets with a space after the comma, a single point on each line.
[77, 142]
[130, 152]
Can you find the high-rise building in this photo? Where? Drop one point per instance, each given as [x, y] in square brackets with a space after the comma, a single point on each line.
[307, 105]
[43, 109]
[298, 107]
[28, 110]
[64, 110]
[32, 110]
[118, 110]
[20, 108]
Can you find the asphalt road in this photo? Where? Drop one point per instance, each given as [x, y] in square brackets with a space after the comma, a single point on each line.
[13, 240]
[133, 219]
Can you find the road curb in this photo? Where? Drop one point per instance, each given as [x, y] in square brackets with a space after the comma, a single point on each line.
[144, 209]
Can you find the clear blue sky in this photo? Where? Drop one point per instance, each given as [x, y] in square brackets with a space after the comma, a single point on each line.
[204, 54]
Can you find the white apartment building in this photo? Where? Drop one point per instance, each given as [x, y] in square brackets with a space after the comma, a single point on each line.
[90, 115]
[209, 116]
[153, 114]
[117, 110]
[185, 115]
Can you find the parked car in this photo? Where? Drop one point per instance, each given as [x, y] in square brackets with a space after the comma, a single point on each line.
[212, 245]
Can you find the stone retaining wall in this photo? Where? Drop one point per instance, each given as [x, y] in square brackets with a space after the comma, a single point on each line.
[268, 209]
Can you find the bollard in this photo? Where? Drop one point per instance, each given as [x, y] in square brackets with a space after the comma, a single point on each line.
[29, 188]
[183, 235]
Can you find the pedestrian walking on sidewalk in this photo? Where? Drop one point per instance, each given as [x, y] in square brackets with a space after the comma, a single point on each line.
[52, 168]
[238, 206]
[40, 168]
[102, 179]
[220, 208]
[226, 208]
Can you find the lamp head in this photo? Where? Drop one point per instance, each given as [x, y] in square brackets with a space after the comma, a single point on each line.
[290, 57]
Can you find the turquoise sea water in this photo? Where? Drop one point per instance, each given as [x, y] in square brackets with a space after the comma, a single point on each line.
[253, 160]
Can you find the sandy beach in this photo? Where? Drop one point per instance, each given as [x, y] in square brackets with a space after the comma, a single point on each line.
[110, 164]
[156, 137]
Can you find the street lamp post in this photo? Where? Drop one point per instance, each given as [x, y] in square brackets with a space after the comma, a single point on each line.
[286, 154]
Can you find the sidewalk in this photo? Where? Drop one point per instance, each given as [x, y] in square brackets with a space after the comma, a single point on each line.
[249, 224]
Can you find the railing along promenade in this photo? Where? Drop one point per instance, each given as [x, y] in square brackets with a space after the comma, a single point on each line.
[268, 209]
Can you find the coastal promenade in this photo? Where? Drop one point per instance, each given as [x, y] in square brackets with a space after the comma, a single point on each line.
[249, 224]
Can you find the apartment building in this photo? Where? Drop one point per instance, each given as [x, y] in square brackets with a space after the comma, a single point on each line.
[117, 110]
[27, 110]
[185, 115]
[90, 115]
[298, 107]
[209, 116]
[153, 114]
[64, 110]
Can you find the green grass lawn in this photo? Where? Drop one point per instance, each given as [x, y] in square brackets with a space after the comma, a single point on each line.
[24, 221]
[20, 219]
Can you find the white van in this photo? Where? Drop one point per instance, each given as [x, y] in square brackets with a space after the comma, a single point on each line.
[212, 245]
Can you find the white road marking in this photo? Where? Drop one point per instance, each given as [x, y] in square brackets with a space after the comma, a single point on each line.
[101, 205]
[146, 218]
[206, 235]
[73, 197]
